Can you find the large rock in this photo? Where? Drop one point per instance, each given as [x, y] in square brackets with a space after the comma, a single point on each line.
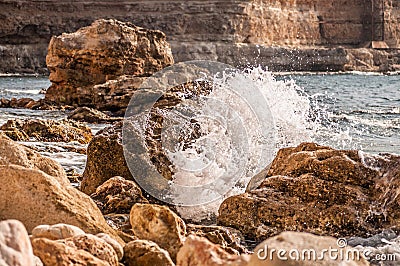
[160, 225]
[102, 51]
[13, 153]
[15, 247]
[201, 252]
[23, 190]
[117, 195]
[47, 130]
[146, 253]
[320, 190]
[56, 231]
[304, 249]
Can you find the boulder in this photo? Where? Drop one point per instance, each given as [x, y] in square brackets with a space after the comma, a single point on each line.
[117, 195]
[56, 231]
[54, 253]
[146, 253]
[47, 130]
[304, 249]
[89, 115]
[15, 247]
[96, 246]
[105, 159]
[201, 252]
[160, 225]
[100, 52]
[319, 190]
[23, 190]
[14, 153]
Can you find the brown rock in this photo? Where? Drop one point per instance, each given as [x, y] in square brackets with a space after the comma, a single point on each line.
[117, 195]
[52, 201]
[305, 244]
[316, 189]
[15, 247]
[160, 225]
[228, 239]
[48, 130]
[89, 115]
[119, 250]
[56, 231]
[54, 253]
[102, 51]
[13, 153]
[105, 159]
[201, 252]
[94, 245]
[146, 253]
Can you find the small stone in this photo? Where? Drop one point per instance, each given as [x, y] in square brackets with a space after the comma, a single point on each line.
[15, 247]
[160, 225]
[114, 243]
[146, 253]
[56, 231]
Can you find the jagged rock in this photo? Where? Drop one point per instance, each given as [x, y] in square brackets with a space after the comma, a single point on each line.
[94, 245]
[320, 190]
[102, 51]
[119, 250]
[297, 241]
[146, 253]
[228, 239]
[201, 252]
[15, 247]
[56, 231]
[160, 225]
[54, 253]
[89, 115]
[47, 130]
[117, 195]
[23, 190]
[13, 153]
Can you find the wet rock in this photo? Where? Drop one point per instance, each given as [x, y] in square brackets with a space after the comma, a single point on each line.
[54, 253]
[228, 239]
[117, 195]
[293, 245]
[56, 231]
[146, 253]
[23, 190]
[15, 247]
[89, 115]
[201, 252]
[320, 190]
[160, 225]
[119, 250]
[102, 51]
[47, 130]
[96, 246]
[373, 241]
[105, 159]
[14, 153]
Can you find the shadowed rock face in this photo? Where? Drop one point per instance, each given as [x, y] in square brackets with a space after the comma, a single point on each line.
[102, 51]
[320, 190]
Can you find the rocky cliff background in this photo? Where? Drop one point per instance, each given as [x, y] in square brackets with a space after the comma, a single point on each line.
[227, 31]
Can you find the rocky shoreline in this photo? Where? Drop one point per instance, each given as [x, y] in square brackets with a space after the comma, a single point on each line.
[311, 196]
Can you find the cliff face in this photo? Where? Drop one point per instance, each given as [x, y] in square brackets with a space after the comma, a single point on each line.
[195, 29]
